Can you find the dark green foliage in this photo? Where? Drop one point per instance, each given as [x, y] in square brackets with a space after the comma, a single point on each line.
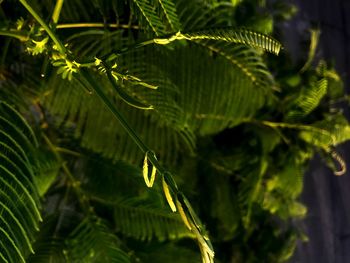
[148, 16]
[144, 221]
[19, 201]
[185, 90]
[91, 241]
[49, 245]
[169, 252]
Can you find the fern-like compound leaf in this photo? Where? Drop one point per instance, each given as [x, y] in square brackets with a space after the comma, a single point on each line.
[309, 99]
[148, 16]
[19, 202]
[145, 221]
[231, 35]
[169, 9]
[93, 241]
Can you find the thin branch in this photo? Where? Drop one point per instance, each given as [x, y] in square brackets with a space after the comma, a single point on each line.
[93, 25]
[67, 151]
[16, 34]
[111, 56]
[57, 11]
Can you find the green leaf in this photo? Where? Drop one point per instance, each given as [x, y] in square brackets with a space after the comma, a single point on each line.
[309, 98]
[145, 220]
[148, 16]
[93, 241]
[46, 171]
[331, 131]
[169, 9]
[231, 35]
[20, 209]
[73, 106]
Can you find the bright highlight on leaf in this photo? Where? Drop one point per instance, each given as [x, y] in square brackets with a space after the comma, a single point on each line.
[168, 196]
[145, 171]
[149, 182]
[183, 215]
[194, 224]
[153, 175]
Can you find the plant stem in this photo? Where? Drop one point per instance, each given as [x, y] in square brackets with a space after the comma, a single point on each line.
[117, 53]
[48, 30]
[87, 80]
[113, 110]
[67, 151]
[83, 25]
[57, 11]
[16, 34]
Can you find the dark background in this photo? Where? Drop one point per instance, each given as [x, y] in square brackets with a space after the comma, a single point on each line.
[327, 196]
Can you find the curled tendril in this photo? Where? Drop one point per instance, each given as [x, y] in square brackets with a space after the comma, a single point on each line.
[341, 163]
